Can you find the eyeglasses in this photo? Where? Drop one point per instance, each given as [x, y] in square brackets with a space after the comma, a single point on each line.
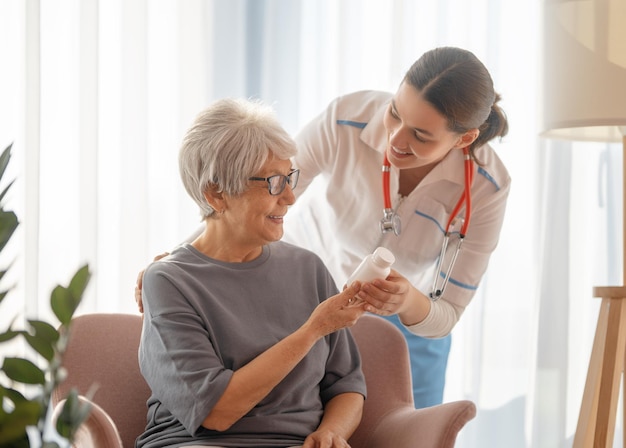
[276, 184]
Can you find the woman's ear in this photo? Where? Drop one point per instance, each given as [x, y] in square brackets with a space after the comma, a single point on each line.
[468, 138]
[215, 198]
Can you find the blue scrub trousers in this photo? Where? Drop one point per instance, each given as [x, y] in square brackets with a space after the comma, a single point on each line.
[429, 359]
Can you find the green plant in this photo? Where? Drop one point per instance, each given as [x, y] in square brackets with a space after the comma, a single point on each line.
[20, 413]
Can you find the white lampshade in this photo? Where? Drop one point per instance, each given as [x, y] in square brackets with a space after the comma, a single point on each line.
[584, 83]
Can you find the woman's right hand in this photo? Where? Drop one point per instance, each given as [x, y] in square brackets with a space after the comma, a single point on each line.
[139, 283]
[339, 311]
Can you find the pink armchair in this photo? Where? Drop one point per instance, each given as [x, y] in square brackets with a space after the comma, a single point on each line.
[102, 354]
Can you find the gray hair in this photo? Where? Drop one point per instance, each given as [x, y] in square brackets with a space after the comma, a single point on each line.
[228, 142]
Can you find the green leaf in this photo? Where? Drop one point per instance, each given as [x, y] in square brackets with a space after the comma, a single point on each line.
[13, 437]
[4, 293]
[79, 282]
[62, 304]
[13, 395]
[73, 414]
[9, 334]
[23, 371]
[64, 301]
[4, 159]
[6, 190]
[44, 330]
[13, 426]
[8, 224]
[41, 346]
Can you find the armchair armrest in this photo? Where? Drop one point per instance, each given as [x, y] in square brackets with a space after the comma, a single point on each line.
[433, 427]
[97, 431]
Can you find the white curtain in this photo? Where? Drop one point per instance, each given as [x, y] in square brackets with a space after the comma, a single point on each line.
[96, 96]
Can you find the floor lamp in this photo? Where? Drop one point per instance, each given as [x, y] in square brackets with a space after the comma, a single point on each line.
[584, 95]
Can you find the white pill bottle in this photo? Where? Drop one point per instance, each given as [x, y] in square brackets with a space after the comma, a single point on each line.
[375, 265]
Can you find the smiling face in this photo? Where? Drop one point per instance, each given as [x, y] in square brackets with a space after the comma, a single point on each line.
[255, 218]
[417, 133]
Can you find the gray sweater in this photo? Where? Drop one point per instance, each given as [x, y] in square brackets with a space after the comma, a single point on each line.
[205, 318]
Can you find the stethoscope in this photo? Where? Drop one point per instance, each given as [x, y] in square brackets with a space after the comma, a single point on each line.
[391, 221]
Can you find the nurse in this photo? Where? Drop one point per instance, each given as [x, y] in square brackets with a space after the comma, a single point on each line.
[444, 108]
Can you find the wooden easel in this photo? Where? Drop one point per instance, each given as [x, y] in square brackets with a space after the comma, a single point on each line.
[596, 421]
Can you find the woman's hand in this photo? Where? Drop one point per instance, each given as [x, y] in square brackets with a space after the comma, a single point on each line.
[139, 283]
[395, 295]
[342, 415]
[325, 439]
[337, 312]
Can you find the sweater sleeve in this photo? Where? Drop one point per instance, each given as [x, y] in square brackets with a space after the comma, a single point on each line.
[176, 355]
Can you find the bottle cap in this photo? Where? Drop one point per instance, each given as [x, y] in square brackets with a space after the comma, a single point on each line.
[383, 256]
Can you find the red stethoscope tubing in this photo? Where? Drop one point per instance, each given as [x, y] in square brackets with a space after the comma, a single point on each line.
[466, 197]
[386, 181]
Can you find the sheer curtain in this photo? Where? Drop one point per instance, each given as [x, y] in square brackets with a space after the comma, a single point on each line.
[96, 96]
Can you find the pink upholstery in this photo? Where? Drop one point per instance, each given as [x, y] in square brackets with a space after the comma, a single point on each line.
[102, 352]
[389, 417]
[102, 356]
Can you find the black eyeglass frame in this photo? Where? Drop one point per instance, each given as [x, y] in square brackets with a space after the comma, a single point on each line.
[284, 180]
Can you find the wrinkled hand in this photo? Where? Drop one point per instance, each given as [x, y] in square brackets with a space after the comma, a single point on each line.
[387, 297]
[325, 439]
[139, 283]
[337, 312]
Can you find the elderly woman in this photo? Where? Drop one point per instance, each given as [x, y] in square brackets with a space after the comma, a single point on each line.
[245, 340]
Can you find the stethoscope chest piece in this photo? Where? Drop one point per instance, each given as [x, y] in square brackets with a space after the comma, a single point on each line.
[390, 222]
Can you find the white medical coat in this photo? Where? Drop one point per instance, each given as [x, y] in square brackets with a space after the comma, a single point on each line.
[341, 152]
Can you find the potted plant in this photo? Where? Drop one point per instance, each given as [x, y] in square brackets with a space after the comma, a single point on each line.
[25, 385]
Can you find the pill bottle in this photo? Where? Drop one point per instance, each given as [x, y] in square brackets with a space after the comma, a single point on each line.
[375, 265]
